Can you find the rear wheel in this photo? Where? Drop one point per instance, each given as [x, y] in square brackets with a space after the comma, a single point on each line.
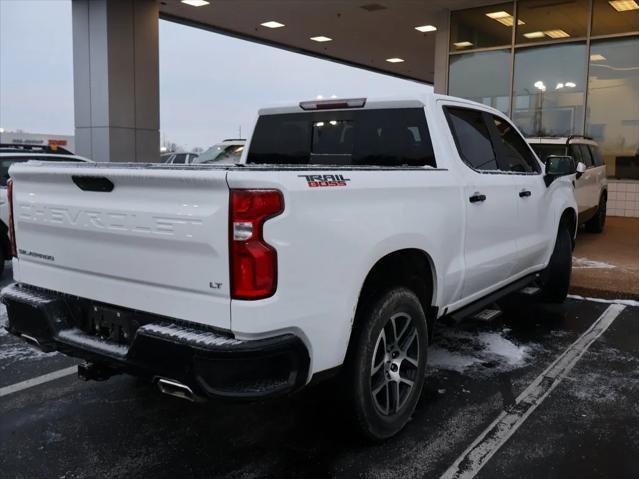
[555, 279]
[387, 363]
[597, 222]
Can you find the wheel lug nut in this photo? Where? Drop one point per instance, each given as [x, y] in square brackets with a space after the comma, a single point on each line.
[393, 367]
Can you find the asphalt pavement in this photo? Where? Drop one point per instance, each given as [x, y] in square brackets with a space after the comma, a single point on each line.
[579, 362]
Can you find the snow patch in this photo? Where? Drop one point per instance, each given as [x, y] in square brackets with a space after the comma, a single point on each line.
[483, 352]
[20, 351]
[585, 263]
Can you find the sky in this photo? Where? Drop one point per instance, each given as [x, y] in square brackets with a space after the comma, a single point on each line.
[210, 84]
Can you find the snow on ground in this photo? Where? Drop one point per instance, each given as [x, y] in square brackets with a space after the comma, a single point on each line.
[585, 263]
[483, 352]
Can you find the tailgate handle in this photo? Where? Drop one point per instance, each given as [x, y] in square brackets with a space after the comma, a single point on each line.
[93, 183]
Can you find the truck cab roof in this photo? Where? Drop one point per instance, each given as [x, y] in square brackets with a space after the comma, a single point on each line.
[323, 104]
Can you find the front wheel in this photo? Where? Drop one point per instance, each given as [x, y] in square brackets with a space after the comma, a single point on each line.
[387, 365]
[596, 223]
[555, 279]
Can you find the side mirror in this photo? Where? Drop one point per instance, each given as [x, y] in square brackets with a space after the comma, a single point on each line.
[581, 167]
[558, 166]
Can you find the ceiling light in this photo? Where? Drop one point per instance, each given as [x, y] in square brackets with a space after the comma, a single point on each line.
[504, 18]
[535, 35]
[395, 60]
[321, 38]
[196, 3]
[570, 84]
[597, 57]
[624, 5]
[463, 44]
[500, 14]
[559, 86]
[426, 28]
[539, 85]
[272, 24]
[557, 33]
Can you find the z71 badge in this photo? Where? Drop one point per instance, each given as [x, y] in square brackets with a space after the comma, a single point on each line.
[315, 181]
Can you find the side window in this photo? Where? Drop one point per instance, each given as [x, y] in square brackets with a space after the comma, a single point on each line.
[180, 158]
[587, 157]
[596, 155]
[576, 153]
[472, 138]
[513, 153]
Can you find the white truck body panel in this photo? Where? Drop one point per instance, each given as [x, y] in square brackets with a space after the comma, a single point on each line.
[155, 243]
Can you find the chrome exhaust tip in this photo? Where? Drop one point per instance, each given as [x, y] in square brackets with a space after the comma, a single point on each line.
[175, 388]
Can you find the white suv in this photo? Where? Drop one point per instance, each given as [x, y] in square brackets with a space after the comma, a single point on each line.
[591, 188]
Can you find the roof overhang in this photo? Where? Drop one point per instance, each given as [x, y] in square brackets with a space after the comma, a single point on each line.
[364, 33]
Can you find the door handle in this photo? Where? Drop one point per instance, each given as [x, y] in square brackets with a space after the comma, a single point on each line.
[477, 198]
[525, 193]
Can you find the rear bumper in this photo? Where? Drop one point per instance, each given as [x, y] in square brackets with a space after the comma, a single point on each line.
[211, 363]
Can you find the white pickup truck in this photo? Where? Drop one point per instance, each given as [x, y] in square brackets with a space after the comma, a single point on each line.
[348, 227]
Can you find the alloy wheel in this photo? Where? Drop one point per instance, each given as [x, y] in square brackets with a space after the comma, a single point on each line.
[395, 364]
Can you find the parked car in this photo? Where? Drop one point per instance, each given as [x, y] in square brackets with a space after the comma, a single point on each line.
[591, 187]
[227, 152]
[16, 153]
[179, 158]
[350, 227]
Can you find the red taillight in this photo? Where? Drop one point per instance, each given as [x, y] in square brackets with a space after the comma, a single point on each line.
[12, 230]
[253, 261]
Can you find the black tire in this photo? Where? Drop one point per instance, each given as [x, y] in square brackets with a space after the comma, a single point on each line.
[596, 223]
[555, 279]
[374, 363]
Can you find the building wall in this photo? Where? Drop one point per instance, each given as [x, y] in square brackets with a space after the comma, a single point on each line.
[623, 198]
[23, 138]
[558, 69]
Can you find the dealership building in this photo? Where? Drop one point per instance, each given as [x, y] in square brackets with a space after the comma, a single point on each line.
[557, 67]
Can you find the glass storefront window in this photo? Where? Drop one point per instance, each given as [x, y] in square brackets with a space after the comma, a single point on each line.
[481, 27]
[549, 89]
[541, 20]
[614, 17]
[483, 77]
[613, 104]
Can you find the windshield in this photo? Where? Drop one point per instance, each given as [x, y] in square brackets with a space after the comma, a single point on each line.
[376, 137]
[221, 153]
[545, 150]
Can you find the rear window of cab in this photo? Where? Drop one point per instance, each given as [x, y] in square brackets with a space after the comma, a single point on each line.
[375, 137]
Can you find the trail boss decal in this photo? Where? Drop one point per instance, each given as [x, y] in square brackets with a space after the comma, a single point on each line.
[315, 181]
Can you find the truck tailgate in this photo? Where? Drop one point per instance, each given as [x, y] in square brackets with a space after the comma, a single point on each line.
[157, 242]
